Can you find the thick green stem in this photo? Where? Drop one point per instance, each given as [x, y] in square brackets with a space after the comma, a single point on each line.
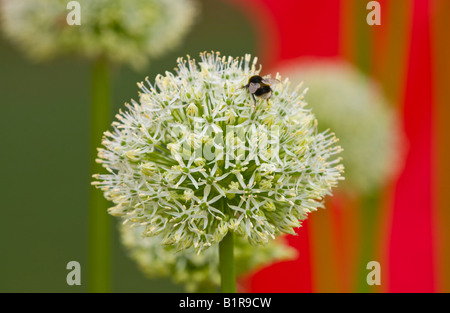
[99, 221]
[226, 263]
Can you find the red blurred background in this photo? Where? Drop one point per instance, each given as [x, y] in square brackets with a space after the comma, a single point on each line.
[408, 55]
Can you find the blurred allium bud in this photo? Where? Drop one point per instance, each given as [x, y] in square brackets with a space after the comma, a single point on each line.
[353, 106]
[181, 167]
[198, 272]
[122, 31]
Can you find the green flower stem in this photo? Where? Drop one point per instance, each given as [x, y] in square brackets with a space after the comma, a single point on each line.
[99, 220]
[369, 224]
[226, 263]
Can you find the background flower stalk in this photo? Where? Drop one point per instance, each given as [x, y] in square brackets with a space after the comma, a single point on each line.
[99, 222]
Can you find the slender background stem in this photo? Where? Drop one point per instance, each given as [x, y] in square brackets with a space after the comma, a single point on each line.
[226, 263]
[99, 220]
[370, 214]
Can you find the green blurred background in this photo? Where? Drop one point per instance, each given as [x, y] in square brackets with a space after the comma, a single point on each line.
[45, 157]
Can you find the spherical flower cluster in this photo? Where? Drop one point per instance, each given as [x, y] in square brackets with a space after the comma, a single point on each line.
[348, 102]
[198, 272]
[123, 31]
[196, 157]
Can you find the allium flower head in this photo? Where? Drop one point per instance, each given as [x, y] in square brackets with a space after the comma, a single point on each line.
[198, 272]
[123, 31]
[195, 158]
[351, 104]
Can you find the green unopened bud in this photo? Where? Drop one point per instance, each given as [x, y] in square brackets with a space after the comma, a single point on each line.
[265, 184]
[133, 155]
[230, 195]
[192, 110]
[148, 168]
[269, 206]
[200, 162]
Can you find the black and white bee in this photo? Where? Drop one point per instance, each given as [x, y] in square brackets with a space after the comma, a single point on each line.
[259, 87]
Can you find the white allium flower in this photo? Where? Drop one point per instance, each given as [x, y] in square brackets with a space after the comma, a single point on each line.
[198, 272]
[239, 187]
[123, 31]
[351, 104]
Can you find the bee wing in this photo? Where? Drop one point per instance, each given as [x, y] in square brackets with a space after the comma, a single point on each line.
[253, 87]
[271, 81]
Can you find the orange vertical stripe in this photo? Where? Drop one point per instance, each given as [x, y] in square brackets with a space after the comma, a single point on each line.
[441, 55]
[392, 41]
[347, 31]
[325, 239]
[345, 216]
[344, 211]
[356, 47]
